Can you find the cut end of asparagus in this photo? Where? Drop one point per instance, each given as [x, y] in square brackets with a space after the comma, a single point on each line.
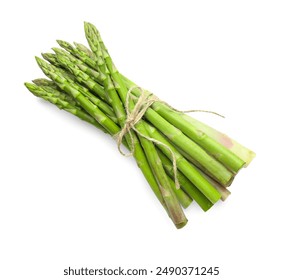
[224, 194]
[207, 206]
[250, 155]
[181, 225]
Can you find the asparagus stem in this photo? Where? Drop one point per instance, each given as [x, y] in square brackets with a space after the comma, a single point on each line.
[173, 206]
[222, 154]
[184, 199]
[222, 190]
[242, 152]
[185, 167]
[201, 168]
[186, 185]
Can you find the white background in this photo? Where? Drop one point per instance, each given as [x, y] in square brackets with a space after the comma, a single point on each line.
[68, 198]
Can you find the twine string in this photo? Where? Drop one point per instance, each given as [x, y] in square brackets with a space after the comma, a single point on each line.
[196, 111]
[181, 111]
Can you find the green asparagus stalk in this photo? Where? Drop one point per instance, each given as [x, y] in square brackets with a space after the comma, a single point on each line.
[186, 185]
[239, 150]
[209, 177]
[185, 167]
[222, 190]
[225, 156]
[173, 206]
[184, 199]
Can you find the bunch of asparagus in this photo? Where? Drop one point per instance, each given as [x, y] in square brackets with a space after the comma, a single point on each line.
[170, 147]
